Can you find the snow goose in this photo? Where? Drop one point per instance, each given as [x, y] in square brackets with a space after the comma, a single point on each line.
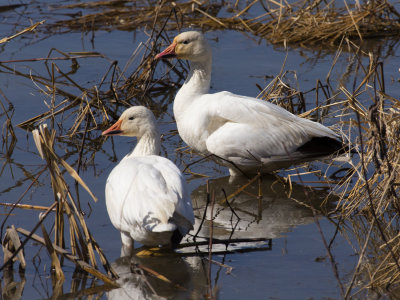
[246, 134]
[146, 195]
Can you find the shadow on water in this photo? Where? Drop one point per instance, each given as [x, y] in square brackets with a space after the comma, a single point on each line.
[159, 278]
[265, 208]
[245, 218]
[165, 277]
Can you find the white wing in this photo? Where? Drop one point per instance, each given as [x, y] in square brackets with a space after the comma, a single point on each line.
[245, 129]
[147, 191]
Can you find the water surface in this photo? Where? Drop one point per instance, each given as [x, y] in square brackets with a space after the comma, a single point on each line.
[291, 263]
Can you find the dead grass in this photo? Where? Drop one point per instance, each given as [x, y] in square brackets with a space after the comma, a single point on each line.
[305, 23]
[368, 208]
[82, 244]
[370, 198]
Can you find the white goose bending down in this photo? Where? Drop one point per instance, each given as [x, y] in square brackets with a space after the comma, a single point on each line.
[146, 195]
[246, 134]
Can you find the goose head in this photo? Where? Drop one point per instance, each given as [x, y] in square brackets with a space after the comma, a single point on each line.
[190, 45]
[135, 121]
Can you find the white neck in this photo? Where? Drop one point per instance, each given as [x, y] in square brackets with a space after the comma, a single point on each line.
[148, 144]
[196, 84]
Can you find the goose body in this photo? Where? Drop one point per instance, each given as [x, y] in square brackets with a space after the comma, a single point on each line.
[244, 133]
[146, 195]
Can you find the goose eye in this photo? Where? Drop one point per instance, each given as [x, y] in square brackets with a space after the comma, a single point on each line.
[131, 118]
[185, 42]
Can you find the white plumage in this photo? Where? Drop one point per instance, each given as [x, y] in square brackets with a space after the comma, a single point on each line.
[244, 133]
[146, 195]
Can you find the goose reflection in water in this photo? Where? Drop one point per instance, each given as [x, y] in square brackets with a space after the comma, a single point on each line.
[176, 279]
[248, 216]
[11, 289]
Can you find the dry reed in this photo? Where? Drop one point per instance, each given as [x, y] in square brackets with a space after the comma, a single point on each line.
[368, 206]
[305, 23]
[82, 244]
[370, 196]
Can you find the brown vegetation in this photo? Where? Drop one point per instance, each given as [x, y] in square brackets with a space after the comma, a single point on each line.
[305, 23]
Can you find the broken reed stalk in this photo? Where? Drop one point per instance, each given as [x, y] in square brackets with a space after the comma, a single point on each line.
[73, 258]
[30, 28]
[82, 242]
[89, 54]
[369, 193]
[25, 206]
[16, 251]
[305, 23]
[55, 262]
[10, 245]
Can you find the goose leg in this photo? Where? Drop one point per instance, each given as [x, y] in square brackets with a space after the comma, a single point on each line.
[127, 244]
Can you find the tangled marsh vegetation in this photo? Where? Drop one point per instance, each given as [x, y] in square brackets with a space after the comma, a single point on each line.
[368, 207]
[304, 23]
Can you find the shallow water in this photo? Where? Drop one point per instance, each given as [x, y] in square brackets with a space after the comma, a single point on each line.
[291, 263]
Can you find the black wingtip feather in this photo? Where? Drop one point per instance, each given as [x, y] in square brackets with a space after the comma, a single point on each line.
[320, 146]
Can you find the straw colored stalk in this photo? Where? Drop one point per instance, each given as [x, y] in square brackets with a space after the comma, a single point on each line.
[75, 259]
[303, 22]
[11, 243]
[98, 98]
[28, 29]
[82, 242]
[371, 203]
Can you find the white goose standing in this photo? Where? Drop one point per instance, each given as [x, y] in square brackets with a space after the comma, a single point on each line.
[146, 195]
[246, 134]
